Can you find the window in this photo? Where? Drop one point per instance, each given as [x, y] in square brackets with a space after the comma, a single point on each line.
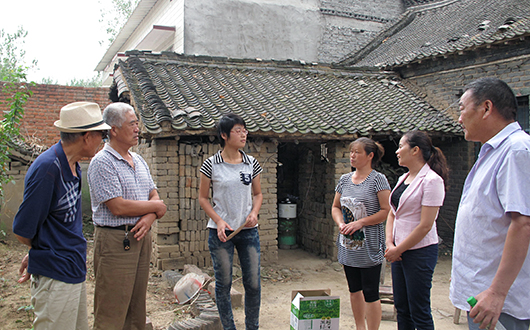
[523, 112]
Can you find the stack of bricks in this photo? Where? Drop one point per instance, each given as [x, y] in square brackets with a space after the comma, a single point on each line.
[181, 236]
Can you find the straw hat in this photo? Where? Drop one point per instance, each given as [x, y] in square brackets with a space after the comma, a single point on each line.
[81, 117]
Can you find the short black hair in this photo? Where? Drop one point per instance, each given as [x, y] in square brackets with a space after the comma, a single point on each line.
[225, 125]
[70, 138]
[498, 92]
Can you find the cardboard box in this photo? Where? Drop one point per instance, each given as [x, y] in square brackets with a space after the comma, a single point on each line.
[314, 310]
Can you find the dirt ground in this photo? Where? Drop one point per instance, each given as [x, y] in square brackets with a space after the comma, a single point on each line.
[295, 270]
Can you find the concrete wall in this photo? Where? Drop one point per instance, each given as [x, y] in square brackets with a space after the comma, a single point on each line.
[13, 193]
[181, 236]
[309, 30]
[253, 29]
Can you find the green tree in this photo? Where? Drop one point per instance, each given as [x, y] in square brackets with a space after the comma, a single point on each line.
[49, 81]
[16, 92]
[12, 55]
[116, 17]
[95, 81]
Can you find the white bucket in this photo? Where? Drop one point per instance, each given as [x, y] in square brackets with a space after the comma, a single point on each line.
[187, 287]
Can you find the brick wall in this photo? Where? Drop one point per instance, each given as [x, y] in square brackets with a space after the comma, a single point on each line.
[41, 111]
[444, 88]
[43, 108]
[181, 236]
[460, 158]
[316, 229]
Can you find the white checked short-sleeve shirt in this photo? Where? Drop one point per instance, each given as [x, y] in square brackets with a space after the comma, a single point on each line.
[498, 183]
[109, 176]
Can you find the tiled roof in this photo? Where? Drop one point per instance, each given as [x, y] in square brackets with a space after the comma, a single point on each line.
[192, 93]
[444, 28]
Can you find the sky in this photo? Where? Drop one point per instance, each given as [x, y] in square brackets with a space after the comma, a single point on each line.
[63, 36]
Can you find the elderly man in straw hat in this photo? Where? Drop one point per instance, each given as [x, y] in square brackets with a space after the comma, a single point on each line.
[49, 221]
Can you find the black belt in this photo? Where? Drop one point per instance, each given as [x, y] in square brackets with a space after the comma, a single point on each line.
[122, 227]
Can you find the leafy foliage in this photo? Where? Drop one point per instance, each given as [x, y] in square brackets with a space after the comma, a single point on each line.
[95, 81]
[116, 18]
[12, 56]
[17, 92]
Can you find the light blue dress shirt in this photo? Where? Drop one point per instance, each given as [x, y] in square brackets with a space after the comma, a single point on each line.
[498, 183]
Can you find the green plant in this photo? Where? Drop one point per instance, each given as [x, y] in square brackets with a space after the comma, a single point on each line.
[28, 309]
[115, 18]
[17, 92]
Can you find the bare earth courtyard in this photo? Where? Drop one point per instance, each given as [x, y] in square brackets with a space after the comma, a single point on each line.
[295, 270]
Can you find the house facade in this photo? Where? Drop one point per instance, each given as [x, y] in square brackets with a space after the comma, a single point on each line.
[439, 47]
[322, 31]
[301, 117]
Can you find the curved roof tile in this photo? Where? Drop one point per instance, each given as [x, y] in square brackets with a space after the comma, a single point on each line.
[193, 93]
[444, 28]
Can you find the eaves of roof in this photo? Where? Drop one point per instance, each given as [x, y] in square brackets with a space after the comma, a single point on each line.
[177, 93]
[138, 14]
[445, 28]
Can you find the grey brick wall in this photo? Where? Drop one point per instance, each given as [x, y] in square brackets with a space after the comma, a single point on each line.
[316, 229]
[349, 25]
[444, 88]
[460, 158]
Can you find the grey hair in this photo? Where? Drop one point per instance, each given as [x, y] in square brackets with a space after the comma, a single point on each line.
[114, 113]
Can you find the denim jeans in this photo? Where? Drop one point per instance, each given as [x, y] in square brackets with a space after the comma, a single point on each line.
[508, 321]
[248, 248]
[411, 284]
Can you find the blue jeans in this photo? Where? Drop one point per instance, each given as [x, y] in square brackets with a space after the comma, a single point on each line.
[411, 284]
[248, 249]
[508, 321]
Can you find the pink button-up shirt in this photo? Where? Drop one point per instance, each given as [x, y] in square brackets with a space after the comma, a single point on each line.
[427, 189]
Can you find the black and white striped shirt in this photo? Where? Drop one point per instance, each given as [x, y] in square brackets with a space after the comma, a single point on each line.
[231, 187]
[372, 251]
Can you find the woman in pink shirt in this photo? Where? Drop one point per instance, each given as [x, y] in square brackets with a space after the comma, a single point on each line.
[411, 237]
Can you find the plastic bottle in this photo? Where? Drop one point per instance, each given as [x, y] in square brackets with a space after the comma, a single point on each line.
[472, 302]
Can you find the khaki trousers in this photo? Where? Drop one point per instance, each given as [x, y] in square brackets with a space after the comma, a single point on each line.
[58, 305]
[121, 280]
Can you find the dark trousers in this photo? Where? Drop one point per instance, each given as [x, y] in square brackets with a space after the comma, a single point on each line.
[411, 284]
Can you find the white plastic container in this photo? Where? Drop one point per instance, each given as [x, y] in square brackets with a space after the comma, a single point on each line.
[187, 287]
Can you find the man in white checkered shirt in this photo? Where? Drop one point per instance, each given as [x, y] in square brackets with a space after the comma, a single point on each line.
[125, 203]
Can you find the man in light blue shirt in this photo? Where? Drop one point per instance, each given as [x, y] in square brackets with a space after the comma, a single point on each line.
[490, 255]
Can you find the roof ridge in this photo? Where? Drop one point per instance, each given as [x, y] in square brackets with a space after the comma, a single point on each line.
[253, 64]
[406, 18]
[432, 5]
